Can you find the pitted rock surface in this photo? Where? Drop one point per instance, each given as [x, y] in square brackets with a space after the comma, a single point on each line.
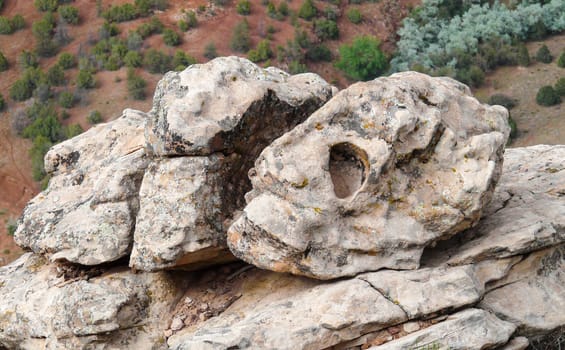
[215, 119]
[381, 171]
[87, 213]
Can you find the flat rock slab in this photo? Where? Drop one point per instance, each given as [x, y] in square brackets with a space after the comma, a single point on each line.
[45, 307]
[532, 295]
[87, 213]
[471, 329]
[368, 181]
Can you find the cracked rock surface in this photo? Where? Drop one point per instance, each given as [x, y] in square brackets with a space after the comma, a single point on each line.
[384, 169]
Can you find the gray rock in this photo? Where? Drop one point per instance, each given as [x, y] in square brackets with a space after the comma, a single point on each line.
[469, 330]
[219, 116]
[527, 212]
[42, 308]
[381, 171]
[87, 213]
[518, 343]
[532, 295]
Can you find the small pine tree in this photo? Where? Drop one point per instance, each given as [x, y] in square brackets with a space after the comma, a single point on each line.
[171, 38]
[243, 7]
[544, 55]
[523, 56]
[136, 85]
[2, 103]
[241, 40]
[307, 10]
[210, 51]
[85, 79]
[4, 65]
[547, 96]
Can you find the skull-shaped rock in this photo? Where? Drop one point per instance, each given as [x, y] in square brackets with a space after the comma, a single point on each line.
[381, 171]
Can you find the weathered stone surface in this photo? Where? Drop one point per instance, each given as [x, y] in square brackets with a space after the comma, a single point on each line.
[284, 312]
[426, 291]
[532, 295]
[527, 211]
[219, 116]
[227, 104]
[87, 214]
[182, 212]
[43, 307]
[377, 174]
[518, 343]
[469, 329]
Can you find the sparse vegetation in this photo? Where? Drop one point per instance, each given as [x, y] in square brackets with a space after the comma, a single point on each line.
[560, 87]
[243, 7]
[66, 99]
[307, 10]
[181, 60]
[94, 117]
[547, 96]
[4, 65]
[241, 40]
[171, 38]
[2, 103]
[544, 55]
[210, 51]
[136, 85]
[67, 60]
[85, 79]
[156, 61]
[262, 52]
[69, 14]
[354, 16]
[363, 59]
[561, 60]
[502, 100]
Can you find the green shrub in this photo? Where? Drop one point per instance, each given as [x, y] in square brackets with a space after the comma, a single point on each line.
[363, 59]
[85, 79]
[136, 86]
[561, 60]
[560, 87]
[210, 51]
[72, 130]
[544, 55]
[326, 29]
[243, 7]
[21, 90]
[94, 118]
[271, 10]
[121, 13]
[157, 62]
[547, 96]
[4, 65]
[152, 27]
[28, 59]
[502, 100]
[56, 75]
[43, 32]
[6, 25]
[133, 59]
[319, 53]
[181, 60]
[191, 19]
[354, 16]
[262, 52]
[108, 30]
[66, 99]
[2, 103]
[307, 10]
[69, 14]
[67, 60]
[41, 145]
[296, 67]
[46, 5]
[283, 8]
[18, 22]
[241, 40]
[171, 38]
[134, 41]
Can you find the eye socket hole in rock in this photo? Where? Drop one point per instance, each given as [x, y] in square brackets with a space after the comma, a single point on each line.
[349, 166]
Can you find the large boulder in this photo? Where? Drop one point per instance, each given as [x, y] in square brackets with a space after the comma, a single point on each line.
[383, 170]
[87, 213]
[214, 119]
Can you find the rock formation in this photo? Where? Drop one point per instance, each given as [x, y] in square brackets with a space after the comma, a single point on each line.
[372, 178]
[159, 191]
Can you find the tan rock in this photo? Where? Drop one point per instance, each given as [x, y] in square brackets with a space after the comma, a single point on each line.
[381, 171]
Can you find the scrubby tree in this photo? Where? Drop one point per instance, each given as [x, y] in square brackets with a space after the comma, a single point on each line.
[6, 25]
[4, 65]
[134, 41]
[136, 85]
[85, 79]
[544, 55]
[66, 99]
[2, 103]
[69, 14]
[502, 100]
[354, 16]
[56, 75]
[307, 10]
[67, 60]
[363, 59]
[262, 52]
[133, 59]
[181, 60]
[210, 51]
[157, 62]
[241, 40]
[21, 90]
[326, 29]
[46, 5]
[547, 96]
[243, 7]
[94, 117]
[43, 33]
[18, 22]
[28, 59]
[523, 56]
[319, 53]
[171, 38]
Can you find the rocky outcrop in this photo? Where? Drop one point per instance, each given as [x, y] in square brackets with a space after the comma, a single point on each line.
[172, 196]
[218, 117]
[380, 172]
[87, 213]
